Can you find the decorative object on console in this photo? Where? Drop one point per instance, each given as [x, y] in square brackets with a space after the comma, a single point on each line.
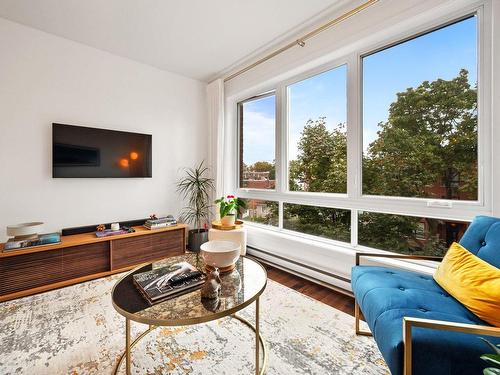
[196, 187]
[115, 226]
[101, 228]
[28, 235]
[220, 254]
[228, 208]
[111, 232]
[25, 231]
[212, 287]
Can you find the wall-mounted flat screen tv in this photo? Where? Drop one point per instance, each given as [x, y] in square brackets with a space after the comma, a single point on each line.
[79, 151]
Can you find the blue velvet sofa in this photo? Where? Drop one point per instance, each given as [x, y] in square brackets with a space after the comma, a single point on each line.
[418, 327]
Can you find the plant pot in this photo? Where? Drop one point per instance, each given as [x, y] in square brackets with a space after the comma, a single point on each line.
[197, 237]
[228, 220]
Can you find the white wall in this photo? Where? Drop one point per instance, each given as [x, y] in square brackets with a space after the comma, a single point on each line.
[386, 20]
[45, 79]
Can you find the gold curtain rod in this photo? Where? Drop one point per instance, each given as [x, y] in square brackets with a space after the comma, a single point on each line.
[301, 42]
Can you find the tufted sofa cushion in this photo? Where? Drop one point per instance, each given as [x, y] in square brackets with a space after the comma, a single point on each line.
[386, 295]
[482, 238]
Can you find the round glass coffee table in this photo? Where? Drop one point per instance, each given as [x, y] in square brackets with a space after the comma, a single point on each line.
[240, 288]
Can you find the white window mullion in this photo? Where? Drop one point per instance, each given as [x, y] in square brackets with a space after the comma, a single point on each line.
[354, 228]
[354, 128]
[280, 215]
[354, 139]
[281, 140]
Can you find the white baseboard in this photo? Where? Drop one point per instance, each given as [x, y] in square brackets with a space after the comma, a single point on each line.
[336, 283]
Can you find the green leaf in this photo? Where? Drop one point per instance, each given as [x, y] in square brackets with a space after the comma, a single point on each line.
[492, 358]
[491, 371]
[496, 349]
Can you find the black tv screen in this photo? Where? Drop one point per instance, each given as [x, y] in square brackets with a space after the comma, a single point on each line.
[79, 151]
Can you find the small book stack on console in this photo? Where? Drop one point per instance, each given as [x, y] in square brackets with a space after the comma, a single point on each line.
[29, 235]
[162, 222]
[39, 240]
[167, 282]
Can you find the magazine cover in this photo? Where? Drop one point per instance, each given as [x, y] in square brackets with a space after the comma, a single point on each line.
[169, 281]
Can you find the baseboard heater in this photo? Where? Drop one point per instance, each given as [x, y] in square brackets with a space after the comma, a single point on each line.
[301, 274]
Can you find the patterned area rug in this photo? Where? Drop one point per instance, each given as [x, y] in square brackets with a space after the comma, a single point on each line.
[75, 330]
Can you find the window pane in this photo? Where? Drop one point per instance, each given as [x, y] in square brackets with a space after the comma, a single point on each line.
[408, 234]
[257, 143]
[325, 222]
[317, 149]
[420, 116]
[260, 211]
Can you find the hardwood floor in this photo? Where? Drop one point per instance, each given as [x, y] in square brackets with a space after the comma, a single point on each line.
[335, 299]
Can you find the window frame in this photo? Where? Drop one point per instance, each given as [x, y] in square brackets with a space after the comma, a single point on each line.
[239, 114]
[354, 199]
[337, 63]
[435, 26]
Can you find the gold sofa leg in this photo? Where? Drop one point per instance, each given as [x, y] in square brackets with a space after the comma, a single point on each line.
[407, 347]
[357, 313]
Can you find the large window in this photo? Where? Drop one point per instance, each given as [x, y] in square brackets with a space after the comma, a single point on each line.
[389, 128]
[257, 142]
[420, 116]
[317, 142]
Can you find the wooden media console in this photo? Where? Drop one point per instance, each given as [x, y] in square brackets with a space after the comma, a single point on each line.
[83, 257]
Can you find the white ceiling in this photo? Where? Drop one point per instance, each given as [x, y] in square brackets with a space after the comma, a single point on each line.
[195, 38]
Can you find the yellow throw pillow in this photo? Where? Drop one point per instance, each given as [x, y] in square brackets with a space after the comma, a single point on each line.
[472, 281]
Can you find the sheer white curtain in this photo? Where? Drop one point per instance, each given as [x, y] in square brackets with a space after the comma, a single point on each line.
[215, 105]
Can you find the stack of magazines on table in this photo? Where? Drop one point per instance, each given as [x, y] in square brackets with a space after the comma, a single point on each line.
[167, 282]
[161, 222]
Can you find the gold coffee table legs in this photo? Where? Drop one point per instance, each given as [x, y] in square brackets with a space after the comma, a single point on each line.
[257, 337]
[127, 345]
[259, 368]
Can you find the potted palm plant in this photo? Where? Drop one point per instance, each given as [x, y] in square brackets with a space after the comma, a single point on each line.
[195, 187]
